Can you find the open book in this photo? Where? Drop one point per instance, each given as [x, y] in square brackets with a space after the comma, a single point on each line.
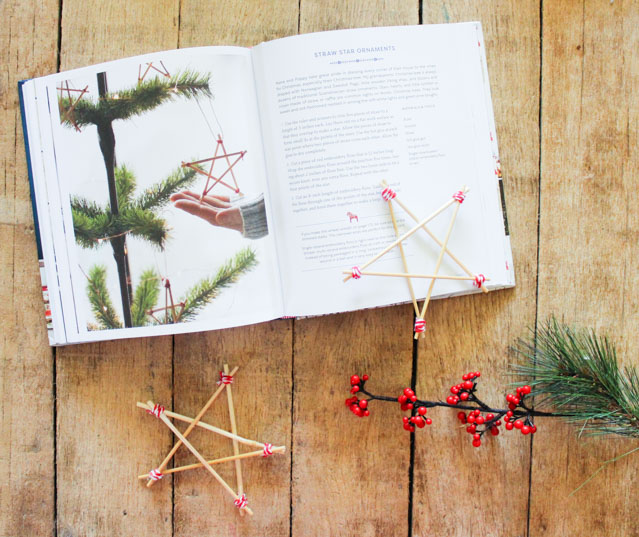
[212, 187]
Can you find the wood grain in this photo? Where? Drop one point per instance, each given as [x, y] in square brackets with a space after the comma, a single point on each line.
[459, 489]
[28, 37]
[262, 400]
[104, 442]
[588, 244]
[350, 475]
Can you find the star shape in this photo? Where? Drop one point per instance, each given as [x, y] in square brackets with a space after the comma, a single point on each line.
[390, 196]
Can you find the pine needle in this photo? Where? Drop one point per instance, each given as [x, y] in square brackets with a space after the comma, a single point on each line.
[100, 300]
[576, 373]
[145, 297]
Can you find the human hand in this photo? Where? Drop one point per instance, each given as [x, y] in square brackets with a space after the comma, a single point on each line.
[216, 210]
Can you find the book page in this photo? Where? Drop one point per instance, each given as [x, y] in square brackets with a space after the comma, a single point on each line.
[193, 220]
[346, 110]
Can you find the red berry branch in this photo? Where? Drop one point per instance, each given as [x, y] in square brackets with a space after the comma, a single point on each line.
[479, 417]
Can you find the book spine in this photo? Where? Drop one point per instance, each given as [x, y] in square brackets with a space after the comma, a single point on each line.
[36, 221]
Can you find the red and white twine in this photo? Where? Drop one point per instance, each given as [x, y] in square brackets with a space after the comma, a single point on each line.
[388, 194]
[155, 475]
[479, 280]
[268, 450]
[420, 326]
[459, 196]
[241, 501]
[356, 273]
[157, 410]
[225, 379]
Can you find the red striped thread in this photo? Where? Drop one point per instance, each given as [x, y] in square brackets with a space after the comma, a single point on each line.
[388, 194]
[225, 379]
[241, 501]
[155, 475]
[479, 280]
[268, 450]
[157, 411]
[356, 273]
[459, 196]
[420, 326]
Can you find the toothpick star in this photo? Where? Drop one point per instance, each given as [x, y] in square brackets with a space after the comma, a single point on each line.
[265, 449]
[390, 196]
[215, 180]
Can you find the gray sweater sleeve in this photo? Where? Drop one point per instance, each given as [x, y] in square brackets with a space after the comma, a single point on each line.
[254, 217]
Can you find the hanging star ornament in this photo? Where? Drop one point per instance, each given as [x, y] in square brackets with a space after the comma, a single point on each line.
[212, 180]
[74, 96]
[478, 280]
[264, 449]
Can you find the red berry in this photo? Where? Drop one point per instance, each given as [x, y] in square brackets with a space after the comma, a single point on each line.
[364, 378]
[498, 423]
[402, 399]
[407, 426]
[525, 429]
[413, 398]
[405, 419]
[428, 421]
[480, 420]
[526, 389]
[354, 380]
[450, 400]
[468, 384]
[409, 406]
[476, 443]
[490, 416]
[471, 429]
[471, 418]
[454, 390]
[476, 436]
[477, 412]
[355, 389]
[494, 431]
[512, 406]
[404, 406]
[461, 416]
[464, 396]
[509, 413]
[408, 392]
[509, 426]
[419, 421]
[363, 403]
[477, 374]
[465, 377]
[356, 410]
[518, 424]
[367, 412]
[422, 410]
[533, 429]
[509, 397]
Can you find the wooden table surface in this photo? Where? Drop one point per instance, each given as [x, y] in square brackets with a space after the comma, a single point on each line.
[564, 77]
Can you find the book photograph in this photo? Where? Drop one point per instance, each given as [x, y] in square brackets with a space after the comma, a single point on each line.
[157, 166]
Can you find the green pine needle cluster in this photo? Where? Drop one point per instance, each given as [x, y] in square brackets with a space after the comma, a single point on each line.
[576, 373]
[206, 290]
[94, 223]
[125, 104]
[147, 293]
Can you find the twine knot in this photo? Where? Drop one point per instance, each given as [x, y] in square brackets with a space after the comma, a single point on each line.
[388, 194]
[268, 450]
[479, 280]
[241, 501]
[459, 196]
[155, 475]
[420, 326]
[225, 379]
[157, 410]
[356, 273]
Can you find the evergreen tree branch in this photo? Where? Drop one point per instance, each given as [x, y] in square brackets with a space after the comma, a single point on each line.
[100, 299]
[208, 289]
[158, 195]
[146, 297]
[577, 373]
[125, 184]
[128, 103]
[90, 222]
[144, 224]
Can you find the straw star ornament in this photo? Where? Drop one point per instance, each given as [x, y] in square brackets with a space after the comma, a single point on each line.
[390, 196]
[264, 449]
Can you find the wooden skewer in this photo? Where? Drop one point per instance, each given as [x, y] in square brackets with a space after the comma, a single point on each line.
[199, 457]
[438, 264]
[191, 427]
[411, 275]
[206, 426]
[434, 237]
[404, 262]
[250, 454]
[408, 233]
[236, 445]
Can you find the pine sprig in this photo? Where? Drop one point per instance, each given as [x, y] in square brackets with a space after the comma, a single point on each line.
[208, 289]
[135, 101]
[145, 297]
[100, 299]
[576, 373]
[158, 195]
[144, 224]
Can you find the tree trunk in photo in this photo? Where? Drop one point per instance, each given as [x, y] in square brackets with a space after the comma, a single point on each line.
[120, 252]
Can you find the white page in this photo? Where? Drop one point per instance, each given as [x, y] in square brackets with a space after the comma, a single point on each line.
[344, 110]
[153, 145]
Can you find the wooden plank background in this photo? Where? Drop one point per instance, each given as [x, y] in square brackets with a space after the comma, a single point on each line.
[565, 84]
